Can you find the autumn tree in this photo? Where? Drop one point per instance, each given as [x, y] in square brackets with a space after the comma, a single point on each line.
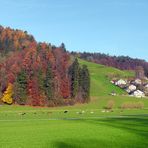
[34, 94]
[7, 96]
[61, 73]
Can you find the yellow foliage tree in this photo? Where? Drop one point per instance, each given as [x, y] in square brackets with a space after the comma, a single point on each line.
[7, 96]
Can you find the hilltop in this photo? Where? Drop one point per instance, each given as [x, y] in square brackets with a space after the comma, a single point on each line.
[120, 62]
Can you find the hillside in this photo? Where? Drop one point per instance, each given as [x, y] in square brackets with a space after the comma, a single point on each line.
[100, 83]
[39, 74]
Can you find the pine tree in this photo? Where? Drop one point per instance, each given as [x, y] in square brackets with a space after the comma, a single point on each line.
[40, 79]
[84, 83]
[63, 46]
[48, 83]
[21, 88]
[74, 76]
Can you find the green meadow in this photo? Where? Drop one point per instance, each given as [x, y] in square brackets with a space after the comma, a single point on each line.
[82, 125]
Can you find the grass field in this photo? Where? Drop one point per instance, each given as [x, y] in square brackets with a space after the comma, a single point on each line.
[83, 126]
[87, 133]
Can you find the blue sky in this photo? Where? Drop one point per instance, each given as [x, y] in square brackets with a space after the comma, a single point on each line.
[117, 27]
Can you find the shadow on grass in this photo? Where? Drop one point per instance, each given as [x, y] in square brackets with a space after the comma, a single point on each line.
[75, 143]
[133, 124]
[60, 144]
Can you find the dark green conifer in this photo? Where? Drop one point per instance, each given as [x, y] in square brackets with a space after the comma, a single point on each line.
[48, 83]
[74, 76]
[21, 87]
[84, 83]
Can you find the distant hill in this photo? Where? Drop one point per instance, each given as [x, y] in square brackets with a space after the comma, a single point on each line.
[120, 62]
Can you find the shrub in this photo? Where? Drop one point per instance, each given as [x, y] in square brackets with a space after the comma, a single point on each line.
[51, 103]
[110, 104]
[140, 105]
[132, 105]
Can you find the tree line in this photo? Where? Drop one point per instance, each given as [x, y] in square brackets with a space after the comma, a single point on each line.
[120, 62]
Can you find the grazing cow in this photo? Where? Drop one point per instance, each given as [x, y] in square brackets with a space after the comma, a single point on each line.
[23, 114]
[65, 111]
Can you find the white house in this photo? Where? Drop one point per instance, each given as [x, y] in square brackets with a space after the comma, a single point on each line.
[138, 94]
[146, 86]
[131, 88]
[138, 81]
[120, 82]
[113, 82]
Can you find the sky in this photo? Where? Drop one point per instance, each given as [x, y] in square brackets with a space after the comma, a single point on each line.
[115, 27]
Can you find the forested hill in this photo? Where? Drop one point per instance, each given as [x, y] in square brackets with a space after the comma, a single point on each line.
[13, 40]
[39, 74]
[120, 62]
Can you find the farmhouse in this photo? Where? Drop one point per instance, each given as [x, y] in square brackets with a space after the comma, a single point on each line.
[131, 88]
[138, 94]
[146, 86]
[135, 88]
[120, 82]
[138, 82]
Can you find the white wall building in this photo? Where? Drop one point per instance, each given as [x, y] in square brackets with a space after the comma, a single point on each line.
[138, 94]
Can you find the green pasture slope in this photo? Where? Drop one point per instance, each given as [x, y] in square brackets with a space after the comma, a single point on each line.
[100, 83]
[84, 126]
